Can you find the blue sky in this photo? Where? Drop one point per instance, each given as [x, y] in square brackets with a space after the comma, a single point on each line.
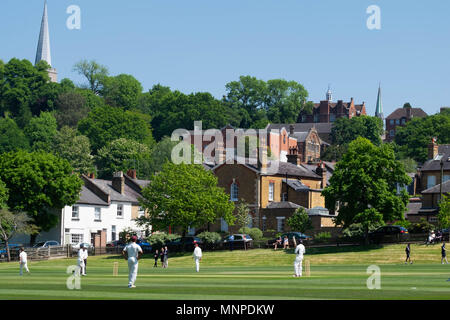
[203, 44]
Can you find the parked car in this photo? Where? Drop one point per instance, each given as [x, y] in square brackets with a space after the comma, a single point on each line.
[76, 247]
[116, 243]
[239, 241]
[146, 247]
[290, 235]
[46, 244]
[183, 244]
[393, 233]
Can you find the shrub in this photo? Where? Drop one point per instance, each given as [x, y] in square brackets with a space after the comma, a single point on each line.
[356, 230]
[210, 237]
[404, 223]
[421, 227]
[255, 233]
[322, 237]
[126, 234]
[159, 239]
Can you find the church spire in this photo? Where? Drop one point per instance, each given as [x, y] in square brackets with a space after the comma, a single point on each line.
[379, 107]
[329, 94]
[43, 49]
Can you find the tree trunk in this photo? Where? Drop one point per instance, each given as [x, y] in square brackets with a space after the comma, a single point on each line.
[7, 250]
[33, 239]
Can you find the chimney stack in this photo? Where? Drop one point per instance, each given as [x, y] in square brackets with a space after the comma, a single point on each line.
[262, 155]
[408, 113]
[291, 129]
[322, 172]
[118, 182]
[132, 173]
[433, 149]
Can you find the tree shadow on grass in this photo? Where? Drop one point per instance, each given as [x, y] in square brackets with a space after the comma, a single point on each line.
[335, 249]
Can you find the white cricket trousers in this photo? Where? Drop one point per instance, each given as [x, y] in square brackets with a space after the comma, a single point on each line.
[80, 264]
[24, 265]
[197, 264]
[132, 270]
[298, 267]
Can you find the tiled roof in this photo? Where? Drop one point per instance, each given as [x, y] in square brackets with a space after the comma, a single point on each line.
[283, 205]
[297, 185]
[437, 188]
[401, 113]
[434, 165]
[88, 197]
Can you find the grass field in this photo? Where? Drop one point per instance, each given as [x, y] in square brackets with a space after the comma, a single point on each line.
[336, 273]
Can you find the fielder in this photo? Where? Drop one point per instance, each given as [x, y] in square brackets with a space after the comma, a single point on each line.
[23, 260]
[82, 256]
[299, 251]
[197, 256]
[443, 253]
[132, 252]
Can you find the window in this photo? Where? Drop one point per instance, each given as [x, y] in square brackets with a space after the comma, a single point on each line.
[316, 118]
[76, 238]
[303, 118]
[250, 221]
[332, 117]
[234, 192]
[97, 214]
[223, 225]
[280, 224]
[75, 213]
[392, 133]
[433, 219]
[271, 188]
[392, 122]
[141, 212]
[284, 196]
[431, 181]
[397, 121]
[446, 177]
[119, 211]
[264, 223]
[403, 121]
[113, 233]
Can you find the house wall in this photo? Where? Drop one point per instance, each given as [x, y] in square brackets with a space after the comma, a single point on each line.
[86, 225]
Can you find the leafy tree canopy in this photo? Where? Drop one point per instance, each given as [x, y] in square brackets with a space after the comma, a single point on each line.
[41, 131]
[12, 137]
[366, 179]
[39, 182]
[121, 91]
[185, 196]
[106, 124]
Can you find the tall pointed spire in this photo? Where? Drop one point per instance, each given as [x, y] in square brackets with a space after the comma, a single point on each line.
[379, 107]
[43, 49]
[329, 94]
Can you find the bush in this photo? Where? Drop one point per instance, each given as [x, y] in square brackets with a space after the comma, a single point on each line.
[403, 223]
[159, 239]
[421, 227]
[356, 230]
[322, 237]
[210, 237]
[255, 233]
[126, 234]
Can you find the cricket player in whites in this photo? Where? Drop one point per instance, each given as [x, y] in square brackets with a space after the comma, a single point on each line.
[23, 261]
[299, 251]
[132, 252]
[82, 256]
[197, 256]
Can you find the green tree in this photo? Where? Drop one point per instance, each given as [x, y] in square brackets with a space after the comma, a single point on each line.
[12, 137]
[171, 110]
[121, 91]
[38, 183]
[414, 137]
[242, 215]
[20, 85]
[161, 153]
[75, 148]
[94, 73]
[300, 221]
[123, 154]
[41, 131]
[3, 195]
[444, 212]
[12, 224]
[364, 179]
[106, 124]
[346, 130]
[71, 107]
[184, 196]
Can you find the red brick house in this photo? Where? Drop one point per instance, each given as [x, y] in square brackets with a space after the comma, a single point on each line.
[399, 118]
